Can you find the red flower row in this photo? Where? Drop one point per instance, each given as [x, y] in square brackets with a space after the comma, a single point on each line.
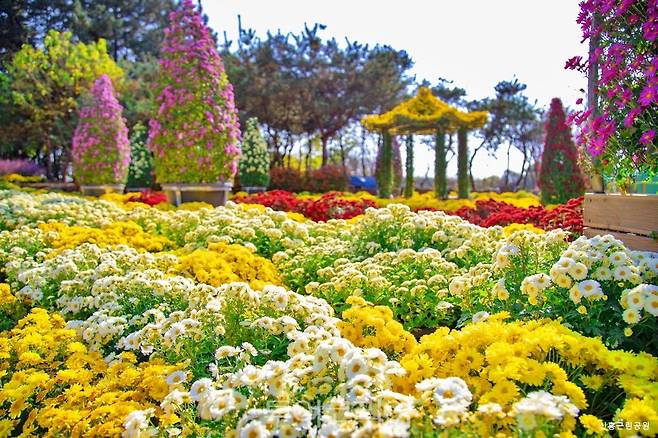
[488, 213]
[328, 206]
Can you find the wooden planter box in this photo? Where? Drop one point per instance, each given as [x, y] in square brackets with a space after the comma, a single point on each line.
[629, 218]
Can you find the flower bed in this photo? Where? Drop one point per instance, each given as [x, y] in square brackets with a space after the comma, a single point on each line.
[128, 319]
[486, 209]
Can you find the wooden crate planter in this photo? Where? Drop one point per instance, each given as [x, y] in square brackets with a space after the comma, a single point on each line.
[630, 218]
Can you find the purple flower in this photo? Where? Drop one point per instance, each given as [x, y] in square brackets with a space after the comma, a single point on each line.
[647, 137]
[648, 95]
[630, 117]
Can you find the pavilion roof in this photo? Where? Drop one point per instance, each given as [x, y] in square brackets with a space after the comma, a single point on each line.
[424, 114]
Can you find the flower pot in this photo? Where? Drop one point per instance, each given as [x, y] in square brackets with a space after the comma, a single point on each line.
[254, 189]
[101, 189]
[630, 218]
[215, 194]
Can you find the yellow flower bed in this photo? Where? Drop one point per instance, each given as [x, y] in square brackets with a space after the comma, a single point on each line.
[225, 263]
[369, 326]
[50, 385]
[118, 233]
[502, 361]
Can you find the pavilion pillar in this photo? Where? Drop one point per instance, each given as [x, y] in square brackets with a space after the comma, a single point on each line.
[386, 169]
[462, 163]
[440, 165]
[409, 184]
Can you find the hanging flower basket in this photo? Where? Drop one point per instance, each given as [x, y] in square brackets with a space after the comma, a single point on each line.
[215, 194]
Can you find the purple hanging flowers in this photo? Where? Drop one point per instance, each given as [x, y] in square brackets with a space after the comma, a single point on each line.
[622, 131]
[195, 135]
[101, 148]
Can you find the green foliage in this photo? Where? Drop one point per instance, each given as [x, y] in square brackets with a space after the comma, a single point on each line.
[46, 84]
[254, 165]
[385, 173]
[462, 164]
[140, 172]
[409, 175]
[440, 166]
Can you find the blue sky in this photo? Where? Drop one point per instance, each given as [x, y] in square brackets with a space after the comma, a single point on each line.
[475, 43]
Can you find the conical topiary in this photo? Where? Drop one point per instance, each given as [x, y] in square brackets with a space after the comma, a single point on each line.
[195, 135]
[255, 160]
[101, 149]
[560, 178]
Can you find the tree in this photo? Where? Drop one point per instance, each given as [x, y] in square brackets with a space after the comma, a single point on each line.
[194, 137]
[514, 121]
[101, 149]
[132, 28]
[300, 86]
[255, 160]
[27, 22]
[45, 85]
[560, 178]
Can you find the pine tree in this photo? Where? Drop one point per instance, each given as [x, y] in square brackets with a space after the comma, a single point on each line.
[101, 149]
[195, 136]
[560, 178]
[255, 160]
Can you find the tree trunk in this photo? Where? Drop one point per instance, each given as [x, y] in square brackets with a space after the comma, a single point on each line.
[520, 178]
[440, 165]
[325, 150]
[462, 164]
[470, 164]
[409, 183]
[342, 153]
[363, 151]
[386, 167]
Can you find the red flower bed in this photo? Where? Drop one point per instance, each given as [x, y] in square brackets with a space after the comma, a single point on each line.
[488, 213]
[149, 197]
[328, 206]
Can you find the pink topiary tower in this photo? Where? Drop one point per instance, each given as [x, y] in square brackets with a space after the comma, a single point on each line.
[101, 149]
[195, 135]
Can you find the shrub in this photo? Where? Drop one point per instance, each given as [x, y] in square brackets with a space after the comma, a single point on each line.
[20, 167]
[286, 178]
[560, 178]
[140, 172]
[255, 161]
[194, 138]
[101, 149]
[326, 179]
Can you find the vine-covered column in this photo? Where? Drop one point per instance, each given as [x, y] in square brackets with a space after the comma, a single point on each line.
[462, 164]
[409, 183]
[386, 170]
[440, 165]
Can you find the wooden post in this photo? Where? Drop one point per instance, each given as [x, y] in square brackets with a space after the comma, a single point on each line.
[440, 165]
[409, 183]
[462, 163]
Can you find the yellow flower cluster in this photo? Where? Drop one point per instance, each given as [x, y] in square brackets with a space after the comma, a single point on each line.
[513, 228]
[369, 326]
[226, 263]
[118, 233]
[50, 385]
[6, 296]
[500, 362]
